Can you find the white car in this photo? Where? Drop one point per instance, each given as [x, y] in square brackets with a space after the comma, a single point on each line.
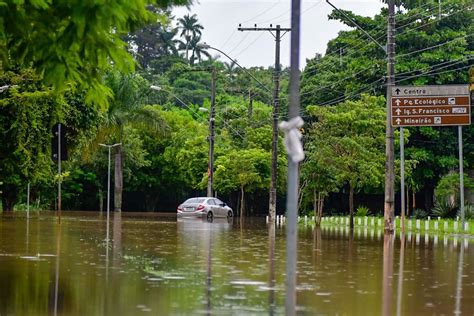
[207, 207]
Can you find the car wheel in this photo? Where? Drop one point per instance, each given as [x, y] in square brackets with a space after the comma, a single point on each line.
[229, 214]
[210, 216]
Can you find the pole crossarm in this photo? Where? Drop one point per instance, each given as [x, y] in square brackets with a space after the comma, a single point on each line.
[269, 29]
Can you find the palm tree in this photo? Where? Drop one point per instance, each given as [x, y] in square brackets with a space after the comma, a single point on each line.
[127, 107]
[190, 28]
[197, 50]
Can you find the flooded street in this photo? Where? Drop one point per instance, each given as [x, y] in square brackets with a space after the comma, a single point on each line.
[157, 265]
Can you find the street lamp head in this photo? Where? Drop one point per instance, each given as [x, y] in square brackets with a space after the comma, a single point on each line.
[157, 88]
[204, 46]
[203, 109]
[103, 145]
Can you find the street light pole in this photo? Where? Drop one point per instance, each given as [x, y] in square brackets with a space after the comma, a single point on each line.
[210, 171]
[108, 186]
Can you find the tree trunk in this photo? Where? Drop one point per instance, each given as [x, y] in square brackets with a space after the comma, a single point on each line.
[320, 208]
[118, 182]
[300, 193]
[315, 207]
[101, 200]
[413, 200]
[351, 206]
[9, 197]
[242, 201]
[408, 203]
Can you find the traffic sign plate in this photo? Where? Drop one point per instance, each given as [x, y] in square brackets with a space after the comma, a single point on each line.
[430, 105]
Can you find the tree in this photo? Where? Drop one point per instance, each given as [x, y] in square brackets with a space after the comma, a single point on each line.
[318, 173]
[431, 50]
[197, 50]
[154, 41]
[72, 43]
[190, 29]
[127, 108]
[28, 110]
[246, 170]
[351, 135]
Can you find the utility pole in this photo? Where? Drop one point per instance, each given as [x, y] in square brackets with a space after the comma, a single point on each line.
[210, 178]
[389, 137]
[276, 106]
[389, 200]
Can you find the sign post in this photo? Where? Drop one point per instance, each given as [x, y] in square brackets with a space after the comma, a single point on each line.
[443, 105]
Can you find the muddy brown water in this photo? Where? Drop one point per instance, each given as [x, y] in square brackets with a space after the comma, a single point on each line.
[158, 265]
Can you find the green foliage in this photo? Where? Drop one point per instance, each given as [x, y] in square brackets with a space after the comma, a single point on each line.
[350, 138]
[362, 211]
[448, 187]
[72, 43]
[420, 213]
[468, 212]
[28, 110]
[444, 209]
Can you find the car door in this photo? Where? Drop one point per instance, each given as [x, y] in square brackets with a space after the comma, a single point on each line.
[219, 205]
[213, 207]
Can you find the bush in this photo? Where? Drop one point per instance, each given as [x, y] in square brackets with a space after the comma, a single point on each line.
[468, 212]
[448, 187]
[420, 213]
[444, 209]
[362, 211]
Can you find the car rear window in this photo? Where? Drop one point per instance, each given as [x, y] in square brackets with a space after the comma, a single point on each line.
[193, 200]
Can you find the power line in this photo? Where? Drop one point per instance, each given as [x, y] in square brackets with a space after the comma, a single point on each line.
[434, 73]
[364, 42]
[433, 47]
[435, 20]
[309, 72]
[251, 43]
[238, 44]
[425, 72]
[262, 13]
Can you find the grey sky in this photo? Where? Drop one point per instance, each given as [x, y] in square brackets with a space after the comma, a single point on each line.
[221, 18]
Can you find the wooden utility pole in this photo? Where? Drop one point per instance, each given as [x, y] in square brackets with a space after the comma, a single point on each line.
[389, 138]
[276, 106]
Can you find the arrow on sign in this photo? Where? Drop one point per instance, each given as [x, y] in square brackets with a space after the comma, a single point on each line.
[398, 111]
[398, 121]
[397, 102]
[397, 91]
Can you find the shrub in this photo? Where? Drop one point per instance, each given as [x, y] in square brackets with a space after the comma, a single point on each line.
[444, 209]
[420, 213]
[468, 212]
[362, 211]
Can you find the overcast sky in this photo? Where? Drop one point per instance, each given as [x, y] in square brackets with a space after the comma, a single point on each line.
[221, 18]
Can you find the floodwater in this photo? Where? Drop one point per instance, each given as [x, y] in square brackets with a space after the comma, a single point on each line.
[155, 265]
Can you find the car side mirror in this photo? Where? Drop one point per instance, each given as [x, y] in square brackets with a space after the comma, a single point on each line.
[222, 204]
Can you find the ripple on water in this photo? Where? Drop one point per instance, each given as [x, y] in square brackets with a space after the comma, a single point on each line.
[247, 282]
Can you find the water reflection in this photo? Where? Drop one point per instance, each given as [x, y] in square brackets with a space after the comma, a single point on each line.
[400, 275]
[387, 274]
[457, 310]
[56, 283]
[271, 268]
[166, 267]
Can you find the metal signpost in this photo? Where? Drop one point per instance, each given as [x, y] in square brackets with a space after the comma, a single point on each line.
[443, 105]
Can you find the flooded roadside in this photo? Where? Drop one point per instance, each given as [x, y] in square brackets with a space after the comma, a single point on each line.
[159, 265]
